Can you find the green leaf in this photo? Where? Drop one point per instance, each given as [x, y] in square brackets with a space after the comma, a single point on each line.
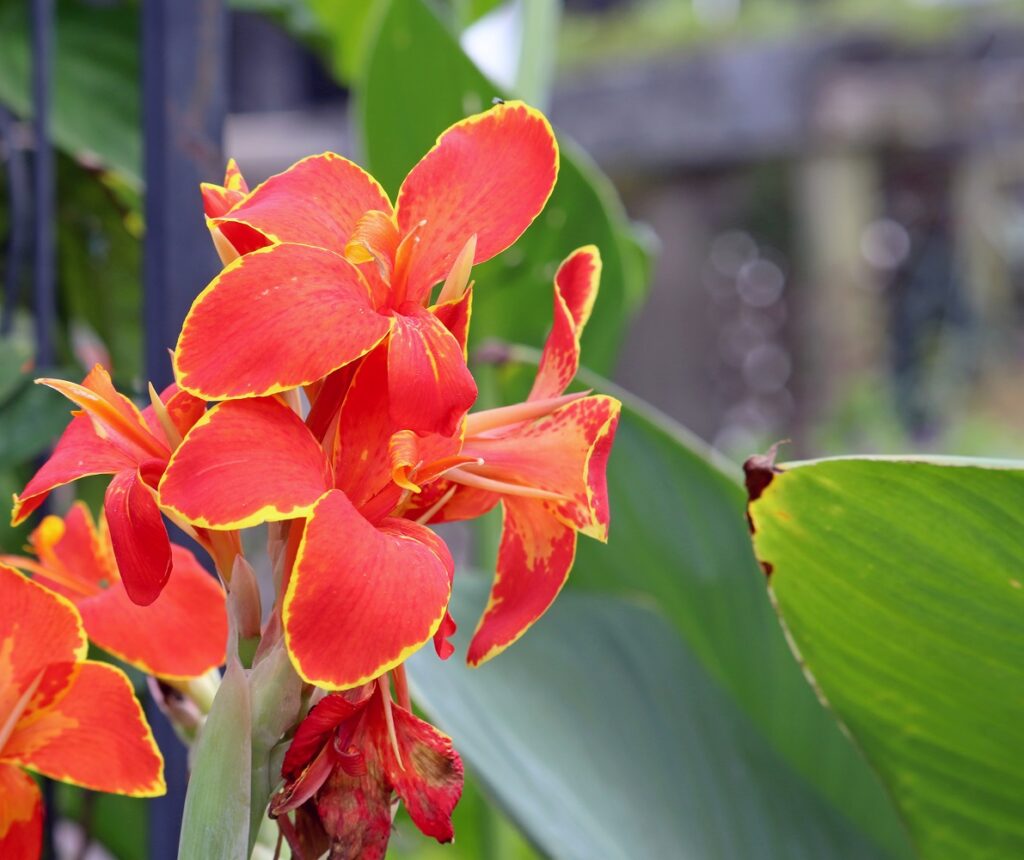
[679, 541]
[416, 83]
[216, 820]
[901, 586]
[603, 736]
[96, 74]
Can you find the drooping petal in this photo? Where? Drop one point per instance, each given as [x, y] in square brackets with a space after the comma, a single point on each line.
[429, 385]
[138, 535]
[565, 453]
[181, 635]
[79, 452]
[429, 777]
[38, 628]
[21, 815]
[316, 201]
[534, 560]
[355, 811]
[245, 462]
[362, 599]
[489, 174]
[95, 736]
[275, 319]
[576, 284]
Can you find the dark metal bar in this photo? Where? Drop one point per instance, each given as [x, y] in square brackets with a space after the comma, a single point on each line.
[184, 47]
[19, 199]
[44, 184]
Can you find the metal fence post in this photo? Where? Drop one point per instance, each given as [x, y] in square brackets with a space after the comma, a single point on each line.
[184, 46]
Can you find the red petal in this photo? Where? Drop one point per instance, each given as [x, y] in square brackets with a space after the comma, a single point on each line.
[455, 316]
[37, 629]
[95, 736]
[316, 201]
[21, 815]
[139, 537]
[181, 635]
[276, 319]
[566, 453]
[428, 382]
[245, 462]
[534, 560]
[79, 452]
[362, 599]
[316, 729]
[489, 174]
[576, 284]
[429, 778]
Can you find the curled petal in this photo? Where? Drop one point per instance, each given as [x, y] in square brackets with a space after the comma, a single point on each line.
[375, 239]
[576, 284]
[245, 462]
[361, 599]
[21, 815]
[317, 728]
[139, 537]
[79, 452]
[429, 385]
[489, 174]
[316, 201]
[275, 319]
[95, 736]
[534, 559]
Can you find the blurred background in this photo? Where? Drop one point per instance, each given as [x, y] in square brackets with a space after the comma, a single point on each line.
[821, 236]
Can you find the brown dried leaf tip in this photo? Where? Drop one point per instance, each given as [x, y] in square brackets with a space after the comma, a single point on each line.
[759, 471]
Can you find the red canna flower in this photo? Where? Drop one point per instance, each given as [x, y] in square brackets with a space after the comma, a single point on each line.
[181, 636]
[111, 436]
[62, 716]
[351, 754]
[342, 270]
[252, 461]
[545, 461]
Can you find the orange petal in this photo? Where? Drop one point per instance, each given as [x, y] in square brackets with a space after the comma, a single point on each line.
[576, 284]
[375, 239]
[181, 635]
[489, 174]
[182, 408]
[245, 462]
[21, 815]
[316, 201]
[534, 560]
[429, 385]
[566, 453]
[113, 415]
[362, 599]
[95, 736]
[79, 452]
[38, 628]
[275, 319]
[138, 535]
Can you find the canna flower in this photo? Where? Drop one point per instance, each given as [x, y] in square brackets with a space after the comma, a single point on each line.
[350, 756]
[111, 436]
[181, 636]
[62, 716]
[545, 461]
[252, 461]
[341, 270]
